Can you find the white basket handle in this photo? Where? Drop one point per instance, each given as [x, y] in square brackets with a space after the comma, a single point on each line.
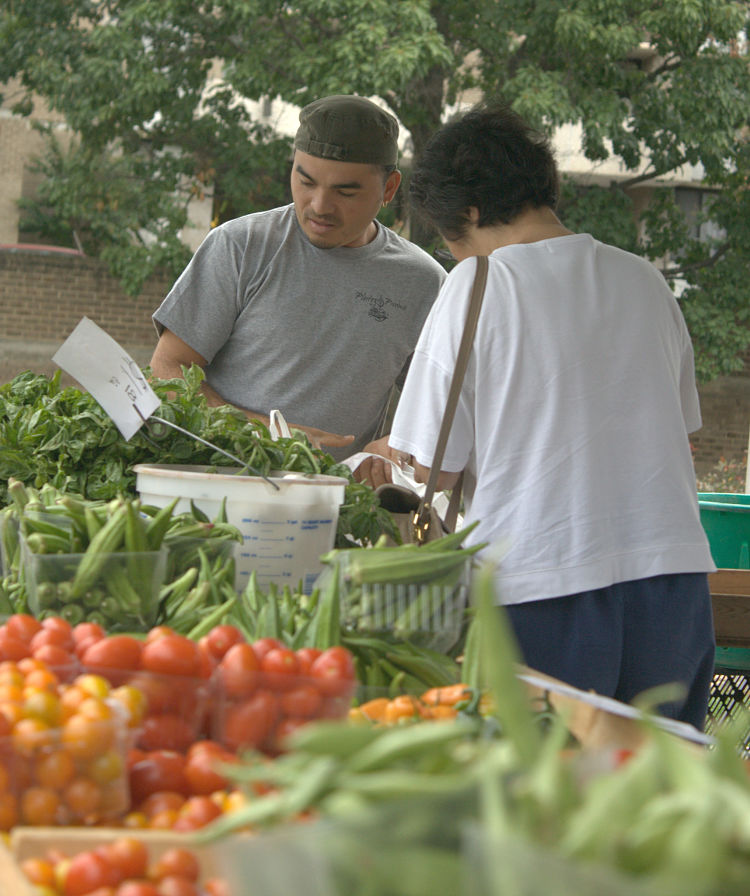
[278, 426]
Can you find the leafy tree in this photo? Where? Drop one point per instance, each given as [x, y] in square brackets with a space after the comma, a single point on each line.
[153, 91]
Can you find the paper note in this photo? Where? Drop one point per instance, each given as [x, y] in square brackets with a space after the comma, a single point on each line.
[109, 374]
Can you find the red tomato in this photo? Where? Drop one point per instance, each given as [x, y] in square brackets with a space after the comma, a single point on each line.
[87, 871]
[306, 656]
[57, 622]
[248, 724]
[198, 811]
[333, 672]
[159, 770]
[239, 670]
[262, 645]
[158, 631]
[114, 652]
[22, 625]
[174, 885]
[165, 732]
[12, 648]
[201, 771]
[176, 861]
[85, 630]
[57, 658]
[57, 636]
[216, 886]
[280, 667]
[128, 854]
[304, 701]
[222, 637]
[137, 888]
[284, 728]
[171, 655]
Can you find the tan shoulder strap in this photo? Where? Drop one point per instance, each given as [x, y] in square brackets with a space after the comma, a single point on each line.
[462, 360]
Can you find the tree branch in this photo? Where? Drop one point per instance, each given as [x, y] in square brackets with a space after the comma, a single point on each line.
[698, 265]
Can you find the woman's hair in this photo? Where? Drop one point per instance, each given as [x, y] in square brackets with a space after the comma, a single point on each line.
[488, 158]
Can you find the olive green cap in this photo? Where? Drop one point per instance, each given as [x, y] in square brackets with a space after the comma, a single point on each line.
[348, 129]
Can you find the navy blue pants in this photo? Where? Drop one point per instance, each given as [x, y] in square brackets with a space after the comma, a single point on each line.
[621, 640]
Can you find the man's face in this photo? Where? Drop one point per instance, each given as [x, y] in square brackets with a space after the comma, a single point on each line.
[336, 202]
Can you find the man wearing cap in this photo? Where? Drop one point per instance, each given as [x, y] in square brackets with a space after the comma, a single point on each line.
[313, 308]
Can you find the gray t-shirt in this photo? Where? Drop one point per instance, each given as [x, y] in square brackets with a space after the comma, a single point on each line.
[319, 334]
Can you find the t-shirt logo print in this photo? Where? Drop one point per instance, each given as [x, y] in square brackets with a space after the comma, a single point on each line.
[378, 305]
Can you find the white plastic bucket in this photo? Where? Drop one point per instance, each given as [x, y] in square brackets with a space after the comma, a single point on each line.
[284, 531]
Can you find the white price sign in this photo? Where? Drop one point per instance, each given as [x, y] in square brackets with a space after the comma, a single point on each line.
[108, 373]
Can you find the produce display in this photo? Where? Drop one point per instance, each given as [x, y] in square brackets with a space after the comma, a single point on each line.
[369, 736]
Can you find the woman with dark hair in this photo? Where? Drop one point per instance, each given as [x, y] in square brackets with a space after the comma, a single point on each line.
[572, 425]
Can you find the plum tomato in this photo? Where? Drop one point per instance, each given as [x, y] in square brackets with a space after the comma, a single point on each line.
[167, 731]
[239, 670]
[85, 630]
[114, 652]
[280, 668]
[304, 700]
[247, 724]
[201, 771]
[172, 654]
[333, 672]
[158, 770]
[222, 637]
[22, 625]
[306, 656]
[261, 646]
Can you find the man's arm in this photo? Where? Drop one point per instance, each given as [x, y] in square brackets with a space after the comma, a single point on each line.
[172, 354]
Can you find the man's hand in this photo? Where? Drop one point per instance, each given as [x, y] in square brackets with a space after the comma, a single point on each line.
[377, 470]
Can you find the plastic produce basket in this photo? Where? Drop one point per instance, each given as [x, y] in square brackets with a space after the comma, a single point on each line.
[729, 697]
[726, 520]
[427, 613]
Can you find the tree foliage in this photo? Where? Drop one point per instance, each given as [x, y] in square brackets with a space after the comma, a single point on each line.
[153, 92]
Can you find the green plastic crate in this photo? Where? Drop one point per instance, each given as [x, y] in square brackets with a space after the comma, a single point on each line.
[726, 520]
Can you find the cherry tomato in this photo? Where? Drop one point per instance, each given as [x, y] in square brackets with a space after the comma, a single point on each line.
[162, 803]
[57, 636]
[137, 888]
[239, 670]
[23, 626]
[85, 630]
[88, 870]
[333, 672]
[175, 885]
[158, 770]
[58, 658]
[119, 652]
[197, 812]
[248, 724]
[261, 646]
[128, 854]
[158, 631]
[216, 886]
[57, 622]
[280, 667]
[13, 648]
[171, 655]
[176, 860]
[222, 637]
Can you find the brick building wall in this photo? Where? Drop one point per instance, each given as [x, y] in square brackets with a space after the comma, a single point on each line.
[44, 293]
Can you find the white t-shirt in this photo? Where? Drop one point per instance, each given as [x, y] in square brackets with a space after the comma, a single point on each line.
[574, 417]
